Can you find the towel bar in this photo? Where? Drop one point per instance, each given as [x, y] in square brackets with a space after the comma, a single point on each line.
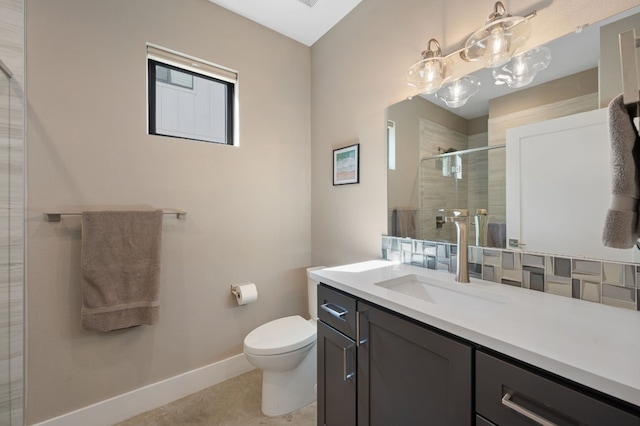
[56, 217]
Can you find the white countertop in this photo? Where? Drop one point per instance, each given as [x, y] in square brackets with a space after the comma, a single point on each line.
[589, 343]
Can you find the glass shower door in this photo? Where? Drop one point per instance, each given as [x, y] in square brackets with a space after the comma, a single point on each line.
[5, 282]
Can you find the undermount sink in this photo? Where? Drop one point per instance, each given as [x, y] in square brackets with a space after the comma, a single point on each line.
[457, 296]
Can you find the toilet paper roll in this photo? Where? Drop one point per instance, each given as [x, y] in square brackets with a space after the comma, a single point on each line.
[245, 293]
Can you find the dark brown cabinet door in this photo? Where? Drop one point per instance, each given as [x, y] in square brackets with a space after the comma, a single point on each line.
[336, 378]
[411, 375]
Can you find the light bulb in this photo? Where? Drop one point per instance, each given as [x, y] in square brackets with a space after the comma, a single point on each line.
[457, 93]
[497, 48]
[520, 67]
[456, 89]
[499, 39]
[428, 74]
[523, 68]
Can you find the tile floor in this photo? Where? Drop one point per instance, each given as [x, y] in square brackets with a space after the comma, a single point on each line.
[235, 402]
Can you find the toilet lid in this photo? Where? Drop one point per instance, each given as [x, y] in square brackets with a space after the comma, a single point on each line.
[280, 336]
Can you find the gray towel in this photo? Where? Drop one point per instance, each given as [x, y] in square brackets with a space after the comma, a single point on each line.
[404, 222]
[497, 235]
[120, 268]
[621, 222]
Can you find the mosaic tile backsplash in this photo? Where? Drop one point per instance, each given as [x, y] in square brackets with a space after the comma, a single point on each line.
[610, 283]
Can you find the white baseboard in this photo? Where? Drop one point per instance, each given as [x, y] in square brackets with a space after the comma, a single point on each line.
[122, 407]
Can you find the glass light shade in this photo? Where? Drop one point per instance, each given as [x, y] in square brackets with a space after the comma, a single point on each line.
[458, 92]
[428, 74]
[522, 69]
[496, 42]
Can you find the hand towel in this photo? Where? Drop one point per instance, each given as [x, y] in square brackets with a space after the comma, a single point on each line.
[404, 222]
[621, 221]
[497, 235]
[120, 268]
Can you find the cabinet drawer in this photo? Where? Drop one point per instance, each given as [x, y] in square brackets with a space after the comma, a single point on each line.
[506, 394]
[337, 310]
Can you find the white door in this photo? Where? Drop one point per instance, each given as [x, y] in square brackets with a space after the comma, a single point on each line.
[559, 187]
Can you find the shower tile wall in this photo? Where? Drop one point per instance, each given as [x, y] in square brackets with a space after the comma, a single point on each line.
[610, 283]
[12, 215]
[437, 191]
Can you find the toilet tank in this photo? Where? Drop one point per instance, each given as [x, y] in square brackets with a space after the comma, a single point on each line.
[312, 292]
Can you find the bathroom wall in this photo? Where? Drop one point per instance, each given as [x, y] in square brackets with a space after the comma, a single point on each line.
[359, 70]
[248, 206]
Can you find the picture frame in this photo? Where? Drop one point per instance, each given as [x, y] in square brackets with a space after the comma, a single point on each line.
[346, 165]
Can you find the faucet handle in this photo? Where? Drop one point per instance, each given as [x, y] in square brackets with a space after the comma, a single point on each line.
[456, 212]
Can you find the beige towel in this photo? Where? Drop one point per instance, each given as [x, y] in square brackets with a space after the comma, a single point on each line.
[120, 268]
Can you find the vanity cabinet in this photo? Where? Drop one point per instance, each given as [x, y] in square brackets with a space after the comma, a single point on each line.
[388, 370]
[376, 367]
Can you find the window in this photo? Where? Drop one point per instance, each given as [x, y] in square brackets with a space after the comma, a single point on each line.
[391, 145]
[190, 98]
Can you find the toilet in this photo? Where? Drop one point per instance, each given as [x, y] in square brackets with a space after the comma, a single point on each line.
[285, 349]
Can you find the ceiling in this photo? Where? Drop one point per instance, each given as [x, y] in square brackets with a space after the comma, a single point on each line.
[293, 18]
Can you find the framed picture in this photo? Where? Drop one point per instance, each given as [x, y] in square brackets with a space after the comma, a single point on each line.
[346, 165]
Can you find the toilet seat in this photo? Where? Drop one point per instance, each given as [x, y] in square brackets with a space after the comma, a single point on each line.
[280, 336]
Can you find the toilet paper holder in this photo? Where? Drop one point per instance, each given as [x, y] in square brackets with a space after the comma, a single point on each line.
[244, 292]
[234, 289]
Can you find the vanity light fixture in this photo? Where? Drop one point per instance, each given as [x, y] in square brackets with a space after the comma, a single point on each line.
[522, 69]
[499, 39]
[458, 92]
[428, 74]
[495, 44]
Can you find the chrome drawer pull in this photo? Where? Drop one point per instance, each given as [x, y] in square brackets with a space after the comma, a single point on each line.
[506, 401]
[359, 339]
[335, 310]
[347, 376]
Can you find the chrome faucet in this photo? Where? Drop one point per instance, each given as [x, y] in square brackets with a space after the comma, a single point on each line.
[460, 218]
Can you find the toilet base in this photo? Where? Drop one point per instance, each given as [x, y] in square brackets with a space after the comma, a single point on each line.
[287, 391]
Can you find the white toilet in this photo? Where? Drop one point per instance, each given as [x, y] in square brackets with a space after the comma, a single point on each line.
[285, 349]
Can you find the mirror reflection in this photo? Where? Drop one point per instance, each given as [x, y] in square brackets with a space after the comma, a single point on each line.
[441, 157]
[461, 178]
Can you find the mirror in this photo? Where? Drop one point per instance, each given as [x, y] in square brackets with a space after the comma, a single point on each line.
[441, 157]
